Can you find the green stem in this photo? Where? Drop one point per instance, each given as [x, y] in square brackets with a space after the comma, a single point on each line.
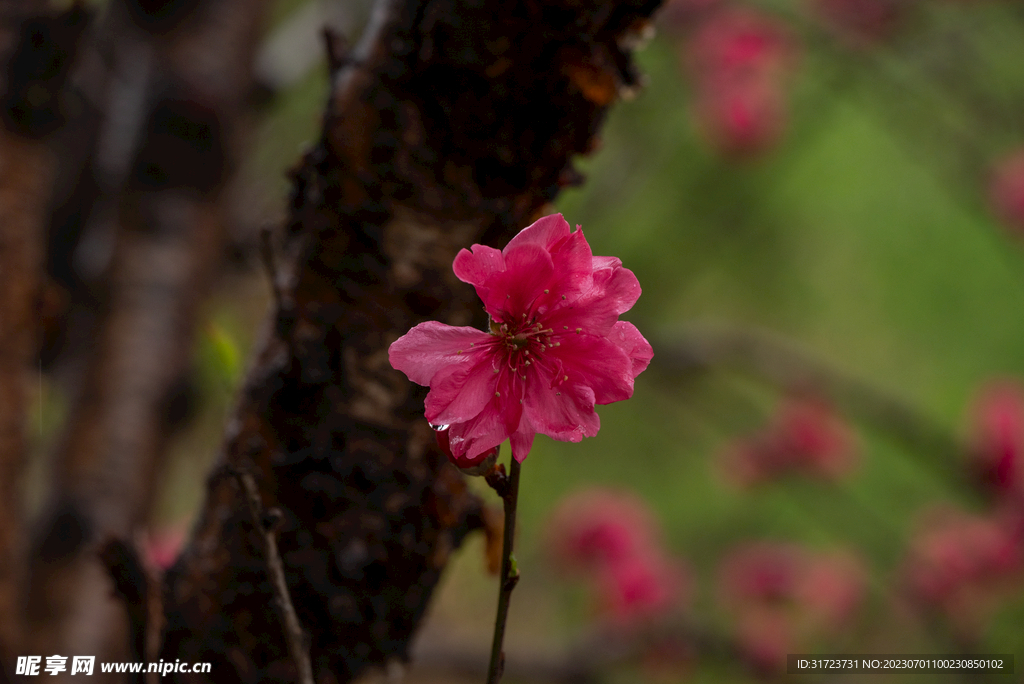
[509, 573]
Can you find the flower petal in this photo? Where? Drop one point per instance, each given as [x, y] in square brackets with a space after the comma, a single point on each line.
[544, 232]
[512, 292]
[562, 411]
[613, 292]
[573, 273]
[498, 417]
[602, 263]
[522, 440]
[458, 393]
[473, 438]
[477, 264]
[597, 363]
[431, 346]
[628, 338]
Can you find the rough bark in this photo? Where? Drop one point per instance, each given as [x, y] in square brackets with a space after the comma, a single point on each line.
[35, 51]
[187, 65]
[455, 121]
[24, 170]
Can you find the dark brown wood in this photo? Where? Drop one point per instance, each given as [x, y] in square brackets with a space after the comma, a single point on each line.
[452, 122]
[36, 49]
[178, 86]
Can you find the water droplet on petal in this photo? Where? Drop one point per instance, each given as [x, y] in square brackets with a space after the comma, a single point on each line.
[443, 439]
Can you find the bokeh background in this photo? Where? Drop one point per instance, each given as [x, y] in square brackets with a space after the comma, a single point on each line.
[821, 201]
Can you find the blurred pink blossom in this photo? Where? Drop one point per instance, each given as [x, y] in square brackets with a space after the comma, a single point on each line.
[783, 597]
[997, 438]
[595, 527]
[960, 565]
[162, 545]
[805, 437]
[740, 60]
[1006, 191]
[611, 539]
[642, 587]
[760, 572]
[766, 636]
[832, 589]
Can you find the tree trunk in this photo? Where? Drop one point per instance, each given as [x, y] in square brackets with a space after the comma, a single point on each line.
[186, 66]
[35, 53]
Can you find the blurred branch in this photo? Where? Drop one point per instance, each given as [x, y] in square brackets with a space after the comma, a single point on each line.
[167, 135]
[37, 47]
[131, 585]
[786, 366]
[265, 522]
[296, 46]
[453, 122]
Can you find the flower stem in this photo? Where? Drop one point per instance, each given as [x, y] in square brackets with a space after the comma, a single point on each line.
[508, 489]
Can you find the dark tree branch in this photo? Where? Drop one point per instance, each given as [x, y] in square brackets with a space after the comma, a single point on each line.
[508, 490]
[131, 585]
[265, 522]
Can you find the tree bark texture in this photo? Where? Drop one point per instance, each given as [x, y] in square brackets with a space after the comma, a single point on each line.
[453, 122]
[180, 76]
[35, 52]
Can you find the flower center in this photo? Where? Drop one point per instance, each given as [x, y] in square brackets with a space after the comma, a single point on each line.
[522, 340]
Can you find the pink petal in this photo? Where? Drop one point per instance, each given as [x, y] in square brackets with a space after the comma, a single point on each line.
[544, 232]
[460, 392]
[512, 292]
[498, 417]
[476, 266]
[431, 346]
[594, 362]
[628, 338]
[612, 293]
[522, 441]
[602, 263]
[573, 274]
[473, 438]
[564, 412]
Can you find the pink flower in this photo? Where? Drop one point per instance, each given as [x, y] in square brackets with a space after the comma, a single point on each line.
[641, 588]
[555, 347]
[741, 119]
[740, 43]
[1006, 192]
[998, 441]
[595, 527]
[784, 597]
[611, 538]
[831, 590]
[963, 565]
[162, 545]
[805, 437]
[760, 573]
[740, 62]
